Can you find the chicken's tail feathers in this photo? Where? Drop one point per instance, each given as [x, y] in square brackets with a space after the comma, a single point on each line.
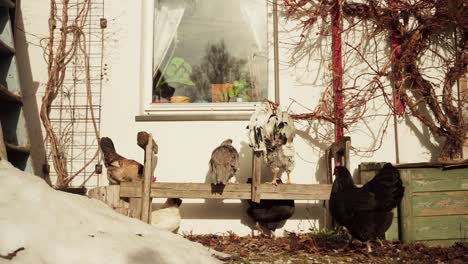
[387, 187]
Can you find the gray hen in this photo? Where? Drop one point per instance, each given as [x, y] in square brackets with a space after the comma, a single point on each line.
[224, 163]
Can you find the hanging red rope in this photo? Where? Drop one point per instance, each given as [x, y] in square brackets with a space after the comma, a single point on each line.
[337, 65]
[397, 76]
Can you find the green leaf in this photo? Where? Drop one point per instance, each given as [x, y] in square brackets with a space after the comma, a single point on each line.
[232, 92]
[178, 71]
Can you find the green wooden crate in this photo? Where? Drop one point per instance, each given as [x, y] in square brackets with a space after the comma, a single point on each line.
[434, 209]
[435, 206]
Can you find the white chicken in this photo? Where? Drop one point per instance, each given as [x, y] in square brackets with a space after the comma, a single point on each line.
[272, 132]
[168, 217]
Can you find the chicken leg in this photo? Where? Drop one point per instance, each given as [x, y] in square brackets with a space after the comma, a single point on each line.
[275, 175]
[369, 248]
[289, 177]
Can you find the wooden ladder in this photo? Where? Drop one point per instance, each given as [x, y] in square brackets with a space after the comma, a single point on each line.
[14, 140]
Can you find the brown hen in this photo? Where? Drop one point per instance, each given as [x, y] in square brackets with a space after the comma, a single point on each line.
[119, 169]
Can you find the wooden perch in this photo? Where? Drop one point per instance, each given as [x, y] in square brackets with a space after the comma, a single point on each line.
[145, 141]
[266, 191]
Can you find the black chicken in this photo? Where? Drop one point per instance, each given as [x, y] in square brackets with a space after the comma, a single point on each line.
[367, 211]
[270, 214]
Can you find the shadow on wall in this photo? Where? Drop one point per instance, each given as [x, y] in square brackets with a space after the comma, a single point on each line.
[311, 136]
[310, 212]
[28, 90]
[424, 135]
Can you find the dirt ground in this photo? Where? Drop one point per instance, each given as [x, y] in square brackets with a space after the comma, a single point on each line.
[326, 248]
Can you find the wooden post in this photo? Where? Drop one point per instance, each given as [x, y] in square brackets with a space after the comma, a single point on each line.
[256, 175]
[146, 141]
[346, 149]
[328, 221]
[3, 152]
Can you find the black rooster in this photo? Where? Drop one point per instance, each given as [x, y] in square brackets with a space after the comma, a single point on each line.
[270, 214]
[366, 212]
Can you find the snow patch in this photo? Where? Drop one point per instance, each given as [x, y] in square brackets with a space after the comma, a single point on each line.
[57, 227]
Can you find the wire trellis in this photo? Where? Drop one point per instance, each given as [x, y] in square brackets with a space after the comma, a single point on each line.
[70, 113]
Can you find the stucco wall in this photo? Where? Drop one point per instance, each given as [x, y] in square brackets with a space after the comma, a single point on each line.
[185, 147]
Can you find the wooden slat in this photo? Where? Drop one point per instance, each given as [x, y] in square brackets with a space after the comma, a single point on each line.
[433, 179]
[9, 96]
[188, 190]
[440, 227]
[150, 164]
[3, 151]
[296, 191]
[256, 175]
[135, 207]
[231, 191]
[440, 203]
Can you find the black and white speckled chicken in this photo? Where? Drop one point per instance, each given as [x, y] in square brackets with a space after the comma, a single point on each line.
[272, 131]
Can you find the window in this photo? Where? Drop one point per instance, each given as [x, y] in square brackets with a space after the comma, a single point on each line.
[209, 51]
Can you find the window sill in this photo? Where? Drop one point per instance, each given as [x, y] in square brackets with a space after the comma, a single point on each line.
[198, 112]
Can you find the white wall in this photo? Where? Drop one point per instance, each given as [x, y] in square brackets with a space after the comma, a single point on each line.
[185, 147]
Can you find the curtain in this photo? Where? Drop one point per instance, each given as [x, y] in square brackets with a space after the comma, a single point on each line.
[166, 22]
[256, 20]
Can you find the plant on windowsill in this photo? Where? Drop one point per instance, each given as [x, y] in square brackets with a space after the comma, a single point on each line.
[239, 91]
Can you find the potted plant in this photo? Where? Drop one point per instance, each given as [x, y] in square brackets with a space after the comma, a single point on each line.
[239, 91]
[176, 74]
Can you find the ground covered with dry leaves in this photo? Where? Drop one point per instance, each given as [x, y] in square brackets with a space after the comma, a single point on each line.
[326, 247]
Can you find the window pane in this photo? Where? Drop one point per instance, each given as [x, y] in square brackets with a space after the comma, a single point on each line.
[210, 51]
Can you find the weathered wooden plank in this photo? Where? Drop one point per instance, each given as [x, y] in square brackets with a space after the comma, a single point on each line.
[114, 192]
[256, 175]
[440, 227]
[131, 190]
[3, 151]
[440, 203]
[230, 191]
[147, 176]
[433, 179]
[406, 212]
[200, 190]
[135, 207]
[296, 191]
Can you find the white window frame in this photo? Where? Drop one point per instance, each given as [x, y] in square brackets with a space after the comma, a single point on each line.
[168, 110]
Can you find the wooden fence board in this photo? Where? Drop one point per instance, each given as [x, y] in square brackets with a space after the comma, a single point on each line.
[231, 191]
[440, 203]
[440, 227]
[429, 179]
